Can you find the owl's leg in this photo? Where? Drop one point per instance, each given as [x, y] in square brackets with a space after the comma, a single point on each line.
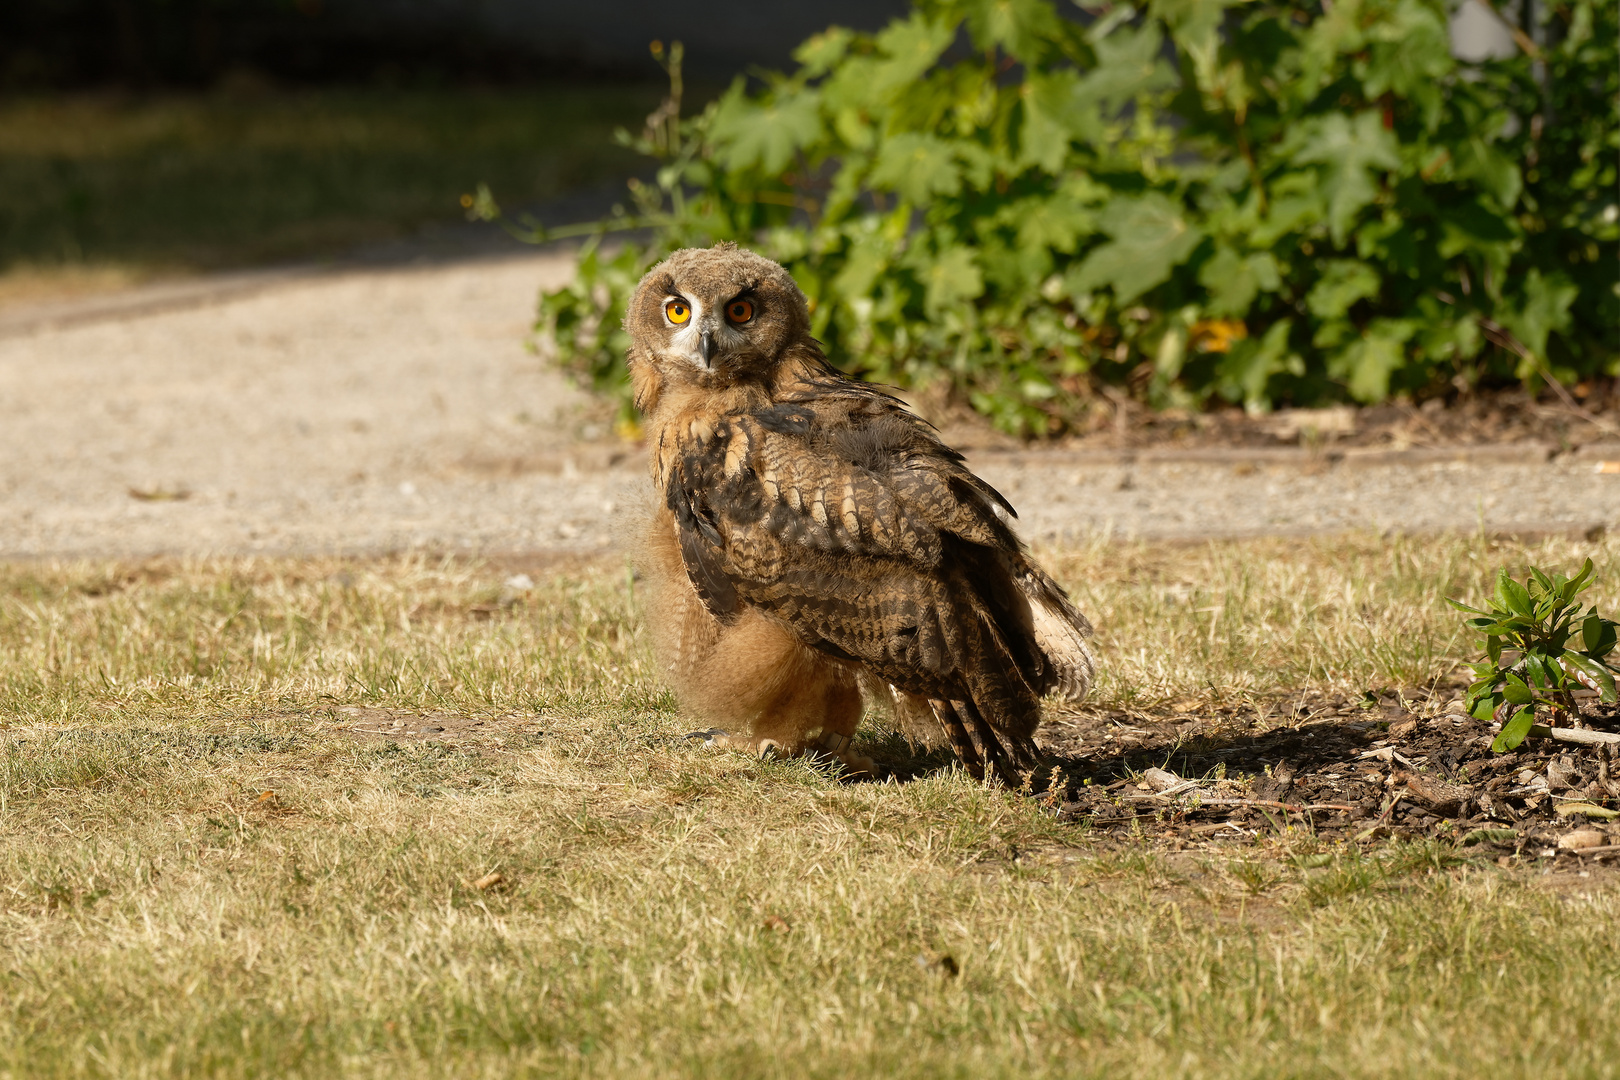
[767, 692]
[825, 709]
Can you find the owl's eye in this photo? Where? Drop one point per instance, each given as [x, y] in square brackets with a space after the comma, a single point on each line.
[677, 311]
[739, 311]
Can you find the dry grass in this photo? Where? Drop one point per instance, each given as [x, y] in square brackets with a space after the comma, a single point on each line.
[665, 910]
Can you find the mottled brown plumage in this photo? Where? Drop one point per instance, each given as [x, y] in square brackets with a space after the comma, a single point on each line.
[814, 537]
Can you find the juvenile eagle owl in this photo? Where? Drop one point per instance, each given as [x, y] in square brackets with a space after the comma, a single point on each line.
[815, 538]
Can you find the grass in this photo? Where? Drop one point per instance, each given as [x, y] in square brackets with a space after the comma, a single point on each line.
[664, 910]
[131, 186]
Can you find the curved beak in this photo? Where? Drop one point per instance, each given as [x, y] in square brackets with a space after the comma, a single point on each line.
[706, 347]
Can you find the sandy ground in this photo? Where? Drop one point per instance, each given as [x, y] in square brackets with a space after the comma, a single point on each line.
[377, 410]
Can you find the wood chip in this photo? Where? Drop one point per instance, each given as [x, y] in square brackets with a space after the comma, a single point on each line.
[1161, 780]
[1400, 729]
[1582, 838]
[1436, 795]
[1574, 735]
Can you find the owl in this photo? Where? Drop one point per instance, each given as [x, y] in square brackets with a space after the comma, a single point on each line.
[813, 543]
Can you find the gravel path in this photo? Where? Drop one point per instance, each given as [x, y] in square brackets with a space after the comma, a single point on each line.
[379, 410]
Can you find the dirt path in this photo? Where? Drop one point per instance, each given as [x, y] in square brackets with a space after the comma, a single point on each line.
[381, 410]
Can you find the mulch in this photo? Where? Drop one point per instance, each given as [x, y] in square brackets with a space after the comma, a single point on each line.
[1397, 764]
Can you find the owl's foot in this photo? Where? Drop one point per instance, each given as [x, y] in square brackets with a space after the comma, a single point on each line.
[829, 748]
[835, 747]
[723, 740]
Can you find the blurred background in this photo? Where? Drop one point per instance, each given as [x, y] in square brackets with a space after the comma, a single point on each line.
[141, 138]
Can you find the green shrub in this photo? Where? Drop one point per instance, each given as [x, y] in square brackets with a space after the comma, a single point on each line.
[1252, 201]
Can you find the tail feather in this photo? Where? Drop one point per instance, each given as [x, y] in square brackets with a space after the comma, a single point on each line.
[1061, 633]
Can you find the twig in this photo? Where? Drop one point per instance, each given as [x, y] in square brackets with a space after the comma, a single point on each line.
[1292, 808]
[1572, 735]
[1504, 337]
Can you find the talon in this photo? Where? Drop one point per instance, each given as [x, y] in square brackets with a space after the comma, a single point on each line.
[770, 750]
[706, 737]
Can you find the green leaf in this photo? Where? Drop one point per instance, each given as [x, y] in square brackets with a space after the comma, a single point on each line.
[1592, 631]
[1249, 365]
[1597, 677]
[1410, 54]
[820, 53]
[1514, 731]
[1150, 238]
[912, 46]
[1347, 150]
[1343, 282]
[1485, 707]
[1580, 581]
[1513, 596]
[1129, 65]
[1540, 674]
[1234, 280]
[747, 135]
[1057, 223]
[1367, 362]
[950, 277]
[1055, 113]
[1022, 27]
[1544, 310]
[1478, 159]
[917, 167]
[1516, 690]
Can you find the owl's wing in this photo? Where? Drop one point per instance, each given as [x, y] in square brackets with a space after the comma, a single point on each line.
[845, 516]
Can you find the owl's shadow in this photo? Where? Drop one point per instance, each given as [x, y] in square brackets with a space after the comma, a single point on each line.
[1195, 751]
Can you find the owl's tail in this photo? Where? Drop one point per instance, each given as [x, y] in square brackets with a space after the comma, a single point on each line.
[1061, 634]
[1006, 755]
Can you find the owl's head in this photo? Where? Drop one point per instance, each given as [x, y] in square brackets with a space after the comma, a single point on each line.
[715, 316]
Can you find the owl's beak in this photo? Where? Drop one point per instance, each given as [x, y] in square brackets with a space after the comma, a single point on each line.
[706, 347]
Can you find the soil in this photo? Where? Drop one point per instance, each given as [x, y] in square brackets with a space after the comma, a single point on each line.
[1589, 413]
[1403, 763]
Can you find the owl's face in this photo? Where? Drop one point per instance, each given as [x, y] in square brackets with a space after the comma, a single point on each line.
[715, 315]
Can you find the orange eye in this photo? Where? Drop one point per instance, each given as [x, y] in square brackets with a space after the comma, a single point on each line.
[677, 311]
[739, 311]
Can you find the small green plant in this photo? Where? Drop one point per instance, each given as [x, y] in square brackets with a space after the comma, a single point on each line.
[1537, 644]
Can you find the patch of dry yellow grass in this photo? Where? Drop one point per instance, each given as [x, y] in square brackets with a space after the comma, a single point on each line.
[664, 910]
